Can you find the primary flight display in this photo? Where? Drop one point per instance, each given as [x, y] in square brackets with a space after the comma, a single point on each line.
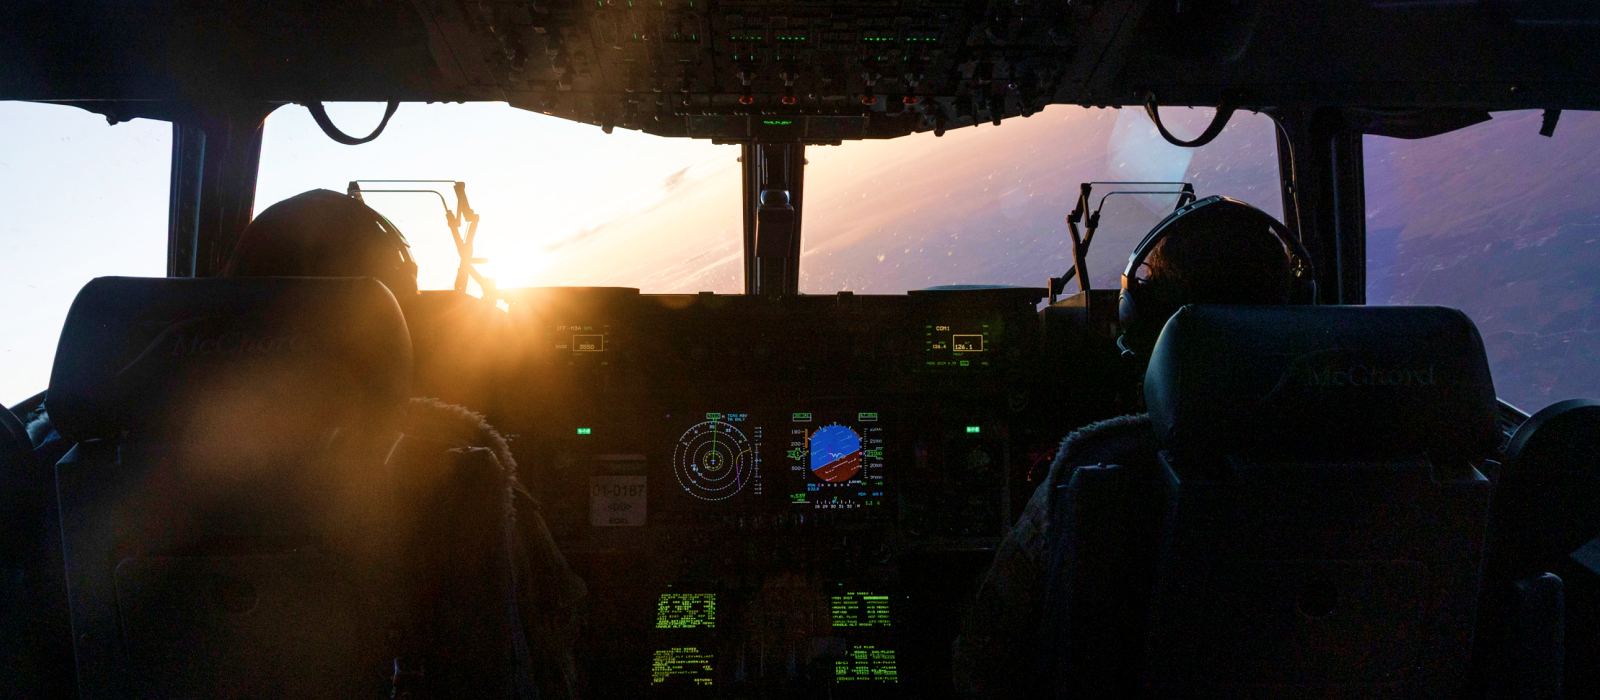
[834, 459]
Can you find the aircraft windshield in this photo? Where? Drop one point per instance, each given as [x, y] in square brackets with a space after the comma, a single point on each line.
[565, 204]
[561, 203]
[1504, 224]
[988, 205]
[85, 200]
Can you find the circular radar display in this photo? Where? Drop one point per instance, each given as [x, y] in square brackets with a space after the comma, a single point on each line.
[835, 453]
[713, 460]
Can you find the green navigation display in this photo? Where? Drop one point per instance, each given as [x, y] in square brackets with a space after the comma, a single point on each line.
[684, 664]
[860, 609]
[681, 611]
[867, 663]
[719, 458]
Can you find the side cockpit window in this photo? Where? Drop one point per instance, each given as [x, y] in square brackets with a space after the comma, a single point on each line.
[1503, 223]
[83, 199]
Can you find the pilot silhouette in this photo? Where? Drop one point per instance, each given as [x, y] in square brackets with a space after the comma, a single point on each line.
[1214, 251]
[322, 233]
[325, 233]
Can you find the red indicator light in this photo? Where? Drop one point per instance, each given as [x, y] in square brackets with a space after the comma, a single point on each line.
[869, 100]
[788, 99]
[747, 99]
[909, 100]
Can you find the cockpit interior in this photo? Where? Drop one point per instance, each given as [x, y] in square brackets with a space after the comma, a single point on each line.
[829, 410]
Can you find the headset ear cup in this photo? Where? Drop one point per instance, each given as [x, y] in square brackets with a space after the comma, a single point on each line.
[1304, 291]
[408, 272]
[1133, 314]
[1127, 318]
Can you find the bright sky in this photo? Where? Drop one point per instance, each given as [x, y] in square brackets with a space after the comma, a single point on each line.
[566, 204]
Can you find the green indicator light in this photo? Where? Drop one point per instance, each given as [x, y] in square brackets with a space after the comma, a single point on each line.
[866, 417]
[802, 418]
[777, 122]
[713, 416]
[585, 431]
[972, 430]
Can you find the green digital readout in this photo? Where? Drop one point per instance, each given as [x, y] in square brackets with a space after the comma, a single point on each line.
[860, 609]
[682, 611]
[867, 663]
[683, 662]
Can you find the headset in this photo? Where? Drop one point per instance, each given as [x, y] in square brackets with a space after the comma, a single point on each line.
[407, 267]
[1139, 299]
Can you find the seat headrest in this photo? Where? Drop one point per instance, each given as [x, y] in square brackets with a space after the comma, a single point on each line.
[245, 354]
[1321, 383]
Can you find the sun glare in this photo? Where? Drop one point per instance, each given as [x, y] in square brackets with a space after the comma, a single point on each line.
[561, 203]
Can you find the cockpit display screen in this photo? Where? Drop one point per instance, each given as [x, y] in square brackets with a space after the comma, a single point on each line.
[682, 611]
[959, 345]
[718, 458]
[867, 663]
[859, 609]
[835, 460]
[682, 665]
[581, 339]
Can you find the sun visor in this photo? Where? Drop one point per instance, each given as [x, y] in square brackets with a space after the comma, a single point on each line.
[1321, 382]
[244, 354]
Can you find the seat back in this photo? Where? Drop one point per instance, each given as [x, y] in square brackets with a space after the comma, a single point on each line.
[225, 508]
[1314, 525]
[1327, 523]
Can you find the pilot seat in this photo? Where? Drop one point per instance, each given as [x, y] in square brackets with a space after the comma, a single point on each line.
[1315, 524]
[232, 521]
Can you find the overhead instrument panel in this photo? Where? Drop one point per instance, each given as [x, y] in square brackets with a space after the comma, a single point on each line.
[836, 460]
[719, 458]
[810, 71]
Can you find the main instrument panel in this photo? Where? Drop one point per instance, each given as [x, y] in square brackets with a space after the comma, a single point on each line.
[780, 496]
